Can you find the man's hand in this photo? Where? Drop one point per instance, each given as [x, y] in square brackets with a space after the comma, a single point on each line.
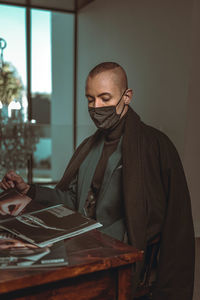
[13, 180]
[15, 204]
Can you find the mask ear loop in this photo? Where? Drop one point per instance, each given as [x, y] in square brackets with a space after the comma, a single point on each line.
[119, 102]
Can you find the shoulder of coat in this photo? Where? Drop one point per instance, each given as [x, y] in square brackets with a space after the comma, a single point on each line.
[157, 141]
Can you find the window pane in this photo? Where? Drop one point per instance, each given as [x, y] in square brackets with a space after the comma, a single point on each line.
[52, 92]
[12, 29]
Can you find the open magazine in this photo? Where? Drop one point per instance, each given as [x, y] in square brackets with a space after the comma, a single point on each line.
[17, 254]
[47, 225]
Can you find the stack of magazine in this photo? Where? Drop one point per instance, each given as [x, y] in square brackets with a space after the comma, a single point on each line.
[35, 237]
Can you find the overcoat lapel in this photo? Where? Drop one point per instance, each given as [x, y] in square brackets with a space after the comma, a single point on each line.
[86, 173]
[76, 160]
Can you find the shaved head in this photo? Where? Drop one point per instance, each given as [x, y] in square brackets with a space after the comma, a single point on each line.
[116, 72]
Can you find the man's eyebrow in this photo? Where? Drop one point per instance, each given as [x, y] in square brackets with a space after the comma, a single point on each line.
[87, 95]
[104, 94]
[100, 95]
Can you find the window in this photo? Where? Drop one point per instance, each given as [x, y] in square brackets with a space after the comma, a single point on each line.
[12, 30]
[52, 91]
[51, 84]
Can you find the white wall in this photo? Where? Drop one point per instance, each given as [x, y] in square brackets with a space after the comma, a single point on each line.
[191, 157]
[152, 41]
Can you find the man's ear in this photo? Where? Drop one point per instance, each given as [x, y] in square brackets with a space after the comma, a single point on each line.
[128, 96]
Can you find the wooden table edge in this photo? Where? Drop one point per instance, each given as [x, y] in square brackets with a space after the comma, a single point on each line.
[58, 273]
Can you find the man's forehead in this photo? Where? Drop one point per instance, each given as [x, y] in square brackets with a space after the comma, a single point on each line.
[106, 79]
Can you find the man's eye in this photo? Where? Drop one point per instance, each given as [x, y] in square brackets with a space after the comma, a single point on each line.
[105, 99]
[90, 100]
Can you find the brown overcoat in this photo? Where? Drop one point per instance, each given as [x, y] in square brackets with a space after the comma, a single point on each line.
[156, 200]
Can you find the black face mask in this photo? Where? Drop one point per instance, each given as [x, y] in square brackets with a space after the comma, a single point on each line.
[106, 117]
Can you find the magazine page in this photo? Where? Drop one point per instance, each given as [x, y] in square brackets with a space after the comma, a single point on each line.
[17, 254]
[49, 225]
[13, 195]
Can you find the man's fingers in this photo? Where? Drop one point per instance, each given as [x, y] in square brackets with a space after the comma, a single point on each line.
[10, 179]
[13, 177]
[9, 184]
[8, 176]
[4, 181]
[3, 186]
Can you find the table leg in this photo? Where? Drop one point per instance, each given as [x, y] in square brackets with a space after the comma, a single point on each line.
[124, 282]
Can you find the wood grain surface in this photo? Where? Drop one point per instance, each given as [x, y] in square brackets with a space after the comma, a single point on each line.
[99, 268]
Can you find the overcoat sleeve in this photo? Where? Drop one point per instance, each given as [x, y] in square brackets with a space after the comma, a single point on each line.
[175, 275]
[54, 196]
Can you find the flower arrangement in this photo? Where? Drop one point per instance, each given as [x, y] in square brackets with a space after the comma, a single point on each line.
[11, 86]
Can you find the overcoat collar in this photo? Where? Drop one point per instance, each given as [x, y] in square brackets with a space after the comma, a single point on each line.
[76, 160]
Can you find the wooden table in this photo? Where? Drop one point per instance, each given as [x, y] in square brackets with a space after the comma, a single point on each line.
[99, 268]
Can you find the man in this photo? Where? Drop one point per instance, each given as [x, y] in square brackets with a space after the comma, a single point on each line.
[129, 177]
